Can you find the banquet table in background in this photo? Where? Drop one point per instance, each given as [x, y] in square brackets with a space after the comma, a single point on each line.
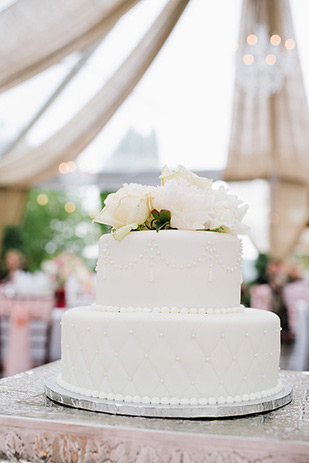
[33, 428]
[20, 311]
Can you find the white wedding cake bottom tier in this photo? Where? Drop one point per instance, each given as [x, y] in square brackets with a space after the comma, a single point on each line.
[170, 358]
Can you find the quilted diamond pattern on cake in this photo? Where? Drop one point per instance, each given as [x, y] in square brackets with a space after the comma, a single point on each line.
[137, 354]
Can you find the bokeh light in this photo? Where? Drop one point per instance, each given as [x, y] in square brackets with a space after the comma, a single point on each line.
[70, 207]
[275, 39]
[290, 44]
[63, 168]
[248, 59]
[252, 39]
[42, 199]
[71, 166]
[270, 59]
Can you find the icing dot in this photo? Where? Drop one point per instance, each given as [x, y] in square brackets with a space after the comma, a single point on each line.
[233, 358]
[129, 378]
[96, 351]
[246, 335]
[207, 359]
[222, 335]
[116, 354]
[105, 334]
[88, 328]
[131, 331]
[79, 348]
[193, 336]
[245, 378]
[73, 326]
[146, 356]
[161, 335]
[177, 359]
[161, 380]
[265, 331]
[192, 382]
[221, 382]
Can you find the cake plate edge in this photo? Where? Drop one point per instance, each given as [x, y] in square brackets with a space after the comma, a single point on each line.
[56, 393]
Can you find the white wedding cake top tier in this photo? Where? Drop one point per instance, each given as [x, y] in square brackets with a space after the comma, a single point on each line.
[173, 269]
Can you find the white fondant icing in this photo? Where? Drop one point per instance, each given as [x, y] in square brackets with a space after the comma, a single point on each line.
[209, 365]
[210, 263]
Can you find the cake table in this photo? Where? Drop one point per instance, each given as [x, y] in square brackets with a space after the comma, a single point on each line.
[33, 428]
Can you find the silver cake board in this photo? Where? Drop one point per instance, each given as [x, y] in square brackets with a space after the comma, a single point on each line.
[56, 393]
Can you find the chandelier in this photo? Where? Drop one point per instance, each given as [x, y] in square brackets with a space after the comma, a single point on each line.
[264, 62]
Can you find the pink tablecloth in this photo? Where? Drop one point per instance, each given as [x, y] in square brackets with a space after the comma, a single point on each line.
[21, 311]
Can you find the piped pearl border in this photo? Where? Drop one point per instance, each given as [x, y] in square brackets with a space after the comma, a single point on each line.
[171, 310]
[169, 401]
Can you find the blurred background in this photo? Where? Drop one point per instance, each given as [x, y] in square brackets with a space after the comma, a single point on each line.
[96, 94]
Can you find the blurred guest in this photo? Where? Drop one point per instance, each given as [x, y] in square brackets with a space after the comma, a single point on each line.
[14, 261]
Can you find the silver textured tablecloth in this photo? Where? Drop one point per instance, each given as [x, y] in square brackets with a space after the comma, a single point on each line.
[33, 428]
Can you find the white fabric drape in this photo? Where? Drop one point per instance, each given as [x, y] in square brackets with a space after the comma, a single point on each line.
[270, 134]
[42, 162]
[36, 34]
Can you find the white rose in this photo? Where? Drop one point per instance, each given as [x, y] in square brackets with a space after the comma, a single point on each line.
[190, 207]
[181, 172]
[126, 209]
[228, 212]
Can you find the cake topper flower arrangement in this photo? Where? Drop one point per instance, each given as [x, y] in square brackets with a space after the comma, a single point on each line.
[183, 201]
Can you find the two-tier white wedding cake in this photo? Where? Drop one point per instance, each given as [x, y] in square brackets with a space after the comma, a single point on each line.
[168, 327]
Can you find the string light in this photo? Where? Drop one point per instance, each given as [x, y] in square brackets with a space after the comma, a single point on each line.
[70, 207]
[289, 44]
[63, 168]
[71, 166]
[252, 39]
[270, 59]
[275, 40]
[42, 199]
[248, 59]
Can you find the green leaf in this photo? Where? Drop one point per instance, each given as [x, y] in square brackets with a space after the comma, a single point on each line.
[218, 230]
[155, 213]
[165, 216]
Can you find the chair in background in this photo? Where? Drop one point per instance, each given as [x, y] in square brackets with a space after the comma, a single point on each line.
[261, 297]
[300, 357]
[292, 294]
[25, 332]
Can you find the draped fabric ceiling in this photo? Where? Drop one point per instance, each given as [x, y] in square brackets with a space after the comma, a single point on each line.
[50, 32]
[270, 134]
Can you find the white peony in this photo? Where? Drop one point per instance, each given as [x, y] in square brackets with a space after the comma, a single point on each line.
[228, 212]
[126, 209]
[181, 172]
[190, 207]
